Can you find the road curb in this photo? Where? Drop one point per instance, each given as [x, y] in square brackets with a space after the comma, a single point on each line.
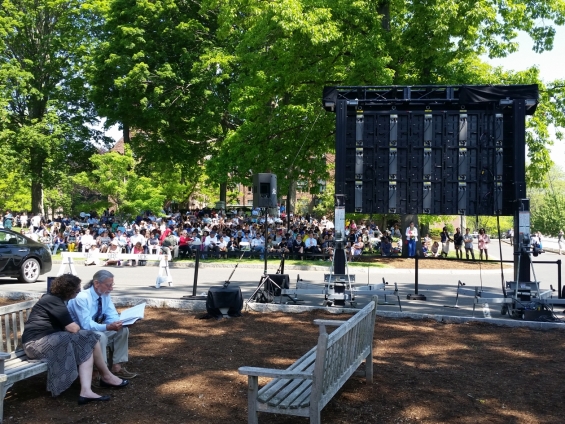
[352, 269]
[198, 306]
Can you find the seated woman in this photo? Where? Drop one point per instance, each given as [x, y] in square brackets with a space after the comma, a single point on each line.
[92, 258]
[51, 336]
[137, 250]
[435, 252]
[356, 249]
[46, 239]
[298, 246]
[184, 244]
[328, 245]
[153, 244]
[59, 243]
[272, 247]
[114, 249]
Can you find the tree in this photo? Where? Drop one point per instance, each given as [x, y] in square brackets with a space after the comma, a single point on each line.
[287, 51]
[15, 190]
[147, 76]
[46, 115]
[115, 180]
[547, 203]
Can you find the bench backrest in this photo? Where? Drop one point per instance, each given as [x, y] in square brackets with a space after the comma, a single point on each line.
[12, 319]
[341, 352]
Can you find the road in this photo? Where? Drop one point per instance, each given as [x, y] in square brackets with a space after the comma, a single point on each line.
[439, 286]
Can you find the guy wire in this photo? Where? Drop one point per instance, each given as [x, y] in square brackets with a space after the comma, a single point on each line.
[305, 138]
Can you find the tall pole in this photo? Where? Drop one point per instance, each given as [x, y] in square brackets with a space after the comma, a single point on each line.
[265, 246]
[522, 204]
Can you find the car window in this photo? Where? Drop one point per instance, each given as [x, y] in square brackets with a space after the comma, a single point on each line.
[8, 238]
[20, 240]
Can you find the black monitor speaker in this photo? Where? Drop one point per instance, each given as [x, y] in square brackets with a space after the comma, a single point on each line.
[264, 191]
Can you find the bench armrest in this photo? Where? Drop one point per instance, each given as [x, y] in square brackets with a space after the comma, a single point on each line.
[5, 356]
[329, 322]
[274, 373]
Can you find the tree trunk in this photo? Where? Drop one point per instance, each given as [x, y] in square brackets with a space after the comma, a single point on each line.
[383, 9]
[223, 192]
[126, 133]
[291, 198]
[36, 182]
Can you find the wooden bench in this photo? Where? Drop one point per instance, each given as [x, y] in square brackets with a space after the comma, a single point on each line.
[14, 365]
[309, 384]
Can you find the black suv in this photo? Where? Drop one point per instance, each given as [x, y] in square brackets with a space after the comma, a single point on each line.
[22, 257]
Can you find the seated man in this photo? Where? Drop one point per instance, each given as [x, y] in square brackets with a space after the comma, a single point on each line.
[170, 246]
[311, 244]
[123, 242]
[386, 246]
[258, 245]
[222, 245]
[94, 310]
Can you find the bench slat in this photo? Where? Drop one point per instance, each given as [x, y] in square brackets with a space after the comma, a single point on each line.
[16, 307]
[304, 363]
[8, 333]
[303, 401]
[30, 371]
[299, 397]
[274, 397]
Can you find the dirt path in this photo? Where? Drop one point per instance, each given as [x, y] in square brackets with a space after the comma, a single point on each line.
[425, 372]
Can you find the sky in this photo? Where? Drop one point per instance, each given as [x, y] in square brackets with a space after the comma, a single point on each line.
[550, 63]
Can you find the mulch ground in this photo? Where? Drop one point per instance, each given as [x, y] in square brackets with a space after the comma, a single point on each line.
[425, 372]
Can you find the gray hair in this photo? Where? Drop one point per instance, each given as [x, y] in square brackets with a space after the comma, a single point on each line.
[101, 275]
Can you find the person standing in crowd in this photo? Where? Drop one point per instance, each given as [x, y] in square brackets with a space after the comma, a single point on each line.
[468, 240]
[560, 241]
[445, 239]
[36, 221]
[8, 220]
[94, 310]
[52, 336]
[458, 243]
[411, 237]
[484, 241]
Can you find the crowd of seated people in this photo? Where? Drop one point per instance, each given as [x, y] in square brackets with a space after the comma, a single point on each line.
[211, 234]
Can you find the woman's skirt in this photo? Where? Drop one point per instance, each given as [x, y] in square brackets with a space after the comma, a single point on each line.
[63, 352]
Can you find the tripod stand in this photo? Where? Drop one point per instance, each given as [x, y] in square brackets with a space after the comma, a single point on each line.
[268, 288]
[227, 282]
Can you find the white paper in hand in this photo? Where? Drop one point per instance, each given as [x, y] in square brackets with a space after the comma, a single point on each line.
[131, 315]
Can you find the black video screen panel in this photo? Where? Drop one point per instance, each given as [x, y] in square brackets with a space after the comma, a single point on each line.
[426, 162]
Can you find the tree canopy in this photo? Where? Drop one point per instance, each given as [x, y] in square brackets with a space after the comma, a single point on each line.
[212, 92]
[45, 114]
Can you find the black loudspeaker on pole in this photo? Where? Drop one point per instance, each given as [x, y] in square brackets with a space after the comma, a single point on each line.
[264, 191]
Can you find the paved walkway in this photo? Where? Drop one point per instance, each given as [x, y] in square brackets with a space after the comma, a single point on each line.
[439, 286]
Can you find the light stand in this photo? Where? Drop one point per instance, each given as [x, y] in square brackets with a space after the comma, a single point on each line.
[265, 245]
[267, 286]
